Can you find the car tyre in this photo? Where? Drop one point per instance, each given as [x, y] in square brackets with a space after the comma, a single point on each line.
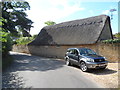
[83, 66]
[68, 62]
[103, 68]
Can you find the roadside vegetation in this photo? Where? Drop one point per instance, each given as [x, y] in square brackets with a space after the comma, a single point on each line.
[24, 40]
[13, 24]
[6, 47]
[117, 35]
[115, 40]
[110, 41]
[50, 23]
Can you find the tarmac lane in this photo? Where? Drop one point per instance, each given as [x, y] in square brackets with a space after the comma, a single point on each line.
[29, 71]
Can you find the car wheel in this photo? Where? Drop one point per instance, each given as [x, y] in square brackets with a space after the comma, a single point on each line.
[103, 68]
[83, 66]
[68, 62]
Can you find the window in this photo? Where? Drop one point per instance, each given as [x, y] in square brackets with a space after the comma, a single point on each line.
[72, 51]
[82, 52]
[75, 52]
[87, 52]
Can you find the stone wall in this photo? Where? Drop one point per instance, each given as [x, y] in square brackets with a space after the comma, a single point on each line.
[54, 51]
[20, 48]
[110, 51]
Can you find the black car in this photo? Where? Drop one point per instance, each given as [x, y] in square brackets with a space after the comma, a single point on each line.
[85, 58]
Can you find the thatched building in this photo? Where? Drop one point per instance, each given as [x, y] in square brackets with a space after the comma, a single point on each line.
[53, 40]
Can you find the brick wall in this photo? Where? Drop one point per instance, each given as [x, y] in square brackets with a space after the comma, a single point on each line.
[110, 51]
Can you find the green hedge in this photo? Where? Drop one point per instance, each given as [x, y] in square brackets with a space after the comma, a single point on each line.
[111, 41]
[24, 40]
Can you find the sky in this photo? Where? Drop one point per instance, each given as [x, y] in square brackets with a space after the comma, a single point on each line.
[67, 10]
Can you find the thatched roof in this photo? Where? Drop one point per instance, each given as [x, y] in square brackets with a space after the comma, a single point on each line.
[76, 32]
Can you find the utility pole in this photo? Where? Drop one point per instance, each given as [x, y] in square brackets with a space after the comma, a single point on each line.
[112, 10]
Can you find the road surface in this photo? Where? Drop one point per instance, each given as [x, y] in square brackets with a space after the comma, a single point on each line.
[37, 72]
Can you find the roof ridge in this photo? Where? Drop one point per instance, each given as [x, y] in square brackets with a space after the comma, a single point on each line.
[84, 18]
[70, 24]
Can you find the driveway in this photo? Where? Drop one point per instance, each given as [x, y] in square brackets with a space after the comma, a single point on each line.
[37, 72]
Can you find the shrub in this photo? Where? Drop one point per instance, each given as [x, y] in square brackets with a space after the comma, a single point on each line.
[34, 36]
[6, 41]
[5, 46]
[111, 41]
[24, 40]
[117, 35]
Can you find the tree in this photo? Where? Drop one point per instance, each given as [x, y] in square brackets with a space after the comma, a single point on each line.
[5, 39]
[17, 22]
[117, 35]
[13, 22]
[50, 23]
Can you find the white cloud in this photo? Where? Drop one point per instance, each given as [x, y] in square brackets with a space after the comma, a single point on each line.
[44, 10]
[106, 12]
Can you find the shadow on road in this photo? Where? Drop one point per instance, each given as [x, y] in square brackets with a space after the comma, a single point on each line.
[22, 62]
[102, 72]
[34, 63]
[11, 80]
[99, 71]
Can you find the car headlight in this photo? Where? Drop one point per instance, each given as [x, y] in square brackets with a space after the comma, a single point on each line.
[90, 60]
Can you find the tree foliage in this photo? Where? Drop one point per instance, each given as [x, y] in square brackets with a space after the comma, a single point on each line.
[6, 42]
[111, 41]
[5, 39]
[14, 22]
[24, 40]
[17, 21]
[50, 23]
[117, 35]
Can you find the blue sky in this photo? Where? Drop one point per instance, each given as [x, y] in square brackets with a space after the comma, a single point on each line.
[67, 10]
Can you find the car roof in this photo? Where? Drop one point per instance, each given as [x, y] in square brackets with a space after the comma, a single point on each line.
[77, 48]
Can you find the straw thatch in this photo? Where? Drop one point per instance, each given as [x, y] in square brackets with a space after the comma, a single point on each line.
[76, 32]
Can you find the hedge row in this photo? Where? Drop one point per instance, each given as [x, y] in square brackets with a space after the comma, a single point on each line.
[111, 41]
[24, 40]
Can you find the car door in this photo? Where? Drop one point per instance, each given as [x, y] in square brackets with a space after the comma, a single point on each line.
[76, 57]
[71, 56]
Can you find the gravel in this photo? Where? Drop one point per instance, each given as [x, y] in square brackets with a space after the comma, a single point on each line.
[107, 78]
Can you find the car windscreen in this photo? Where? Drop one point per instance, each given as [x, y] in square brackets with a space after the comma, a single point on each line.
[87, 52]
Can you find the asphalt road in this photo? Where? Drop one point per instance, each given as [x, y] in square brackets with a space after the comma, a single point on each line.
[37, 72]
